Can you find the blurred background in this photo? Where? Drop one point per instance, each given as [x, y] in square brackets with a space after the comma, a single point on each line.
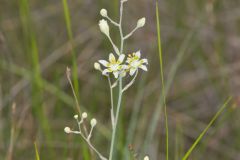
[201, 44]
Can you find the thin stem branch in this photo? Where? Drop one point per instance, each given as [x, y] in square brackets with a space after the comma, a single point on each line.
[129, 34]
[112, 103]
[116, 120]
[131, 82]
[114, 46]
[90, 145]
[68, 73]
[120, 26]
[112, 21]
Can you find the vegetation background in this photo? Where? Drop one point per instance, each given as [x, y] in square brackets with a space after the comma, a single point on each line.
[40, 38]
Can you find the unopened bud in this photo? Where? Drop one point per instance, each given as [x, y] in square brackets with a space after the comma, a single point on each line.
[103, 24]
[103, 12]
[76, 116]
[93, 122]
[146, 158]
[84, 115]
[67, 130]
[141, 22]
[97, 66]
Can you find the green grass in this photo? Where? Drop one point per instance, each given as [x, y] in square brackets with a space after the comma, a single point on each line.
[36, 151]
[162, 79]
[36, 78]
[199, 138]
[170, 78]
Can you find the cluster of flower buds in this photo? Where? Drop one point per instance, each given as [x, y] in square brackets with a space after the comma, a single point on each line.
[80, 122]
[104, 27]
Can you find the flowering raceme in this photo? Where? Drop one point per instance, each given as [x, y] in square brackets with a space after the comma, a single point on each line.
[118, 67]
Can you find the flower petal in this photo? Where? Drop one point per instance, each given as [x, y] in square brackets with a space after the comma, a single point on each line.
[121, 58]
[112, 58]
[143, 67]
[128, 60]
[132, 71]
[115, 74]
[144, 61]
[104, 62]
[105, 71]
[124, 67]
[138, 54]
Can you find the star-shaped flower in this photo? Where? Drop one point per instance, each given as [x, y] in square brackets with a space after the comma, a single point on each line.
[134, 62]
[113, 66]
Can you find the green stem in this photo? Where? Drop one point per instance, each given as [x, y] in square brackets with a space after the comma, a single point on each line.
[112, 104]
[116, 119]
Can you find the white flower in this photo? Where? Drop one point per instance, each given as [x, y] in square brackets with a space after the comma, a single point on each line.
[134, 62]
[146, 158]
[113, 66]
[141, 22]
[67, 130]
[97, 66]
[84, 115]
[103, 12]
[103, 24]
[93, 122]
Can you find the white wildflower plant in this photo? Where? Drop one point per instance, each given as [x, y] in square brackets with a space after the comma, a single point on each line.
[117, 67]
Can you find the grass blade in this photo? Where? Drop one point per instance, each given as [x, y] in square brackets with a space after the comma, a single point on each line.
[162, 77]
[206, 129]
[36, 151]
[30, 39]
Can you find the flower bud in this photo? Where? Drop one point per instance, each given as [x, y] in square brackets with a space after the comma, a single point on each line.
[84, 115]
[93, 122]
[146, 158]
[141, 22]
[76, 116]
[67, 130]
[103, 24]
[103, 12]
[97, 66]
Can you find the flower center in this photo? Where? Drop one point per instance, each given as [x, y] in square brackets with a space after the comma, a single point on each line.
[114, 67]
